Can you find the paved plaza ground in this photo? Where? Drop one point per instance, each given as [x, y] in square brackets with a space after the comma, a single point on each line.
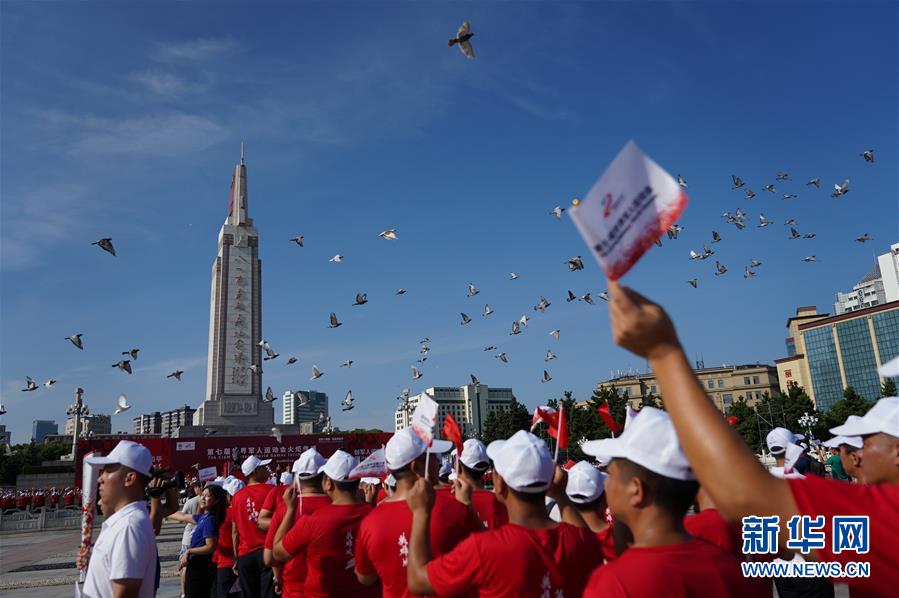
[42, 564]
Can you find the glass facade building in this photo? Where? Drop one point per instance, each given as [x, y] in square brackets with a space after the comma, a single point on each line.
[846, 350]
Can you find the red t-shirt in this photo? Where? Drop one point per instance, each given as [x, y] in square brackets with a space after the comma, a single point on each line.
[607, 544]
[274, 502]
[711, 527]
[293, 575]
[245, 507]
[694, 568]
[382, 546]
[491, 512]
[224, 550]
[817, 496]
[516, 561]
[328, 538]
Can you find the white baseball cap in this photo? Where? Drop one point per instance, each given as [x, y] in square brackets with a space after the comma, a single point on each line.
[251, 463]
[286, 478]
[405, 446]
[890, 369]
[882, 417]
[778, 440]
[651, 442]
[474, 454]
[585, 483]
[233, 486]
[308, 464]
[339, 466]
[837, 441]
[445, 468]
[523, 461]
[130, 454]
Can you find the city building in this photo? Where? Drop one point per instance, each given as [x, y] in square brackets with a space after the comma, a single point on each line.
[468, 404]
[304, 408]
[723, 385]
[174, 419]
[868, 292]
[889, 272]
[148, 423]
[233, 402]
[5, 435]
[90, 424]
[826, 354]
[41, 427]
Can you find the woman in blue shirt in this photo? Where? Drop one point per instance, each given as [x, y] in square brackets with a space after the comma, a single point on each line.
[197, 558]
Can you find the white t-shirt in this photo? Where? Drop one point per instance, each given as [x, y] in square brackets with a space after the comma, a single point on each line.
[191, 507]
[125, 549]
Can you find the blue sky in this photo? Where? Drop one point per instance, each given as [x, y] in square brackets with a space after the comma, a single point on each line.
[125, 120]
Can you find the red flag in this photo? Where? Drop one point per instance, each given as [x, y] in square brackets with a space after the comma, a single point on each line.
[606, 413]
[733, 420]
[547, 415]
[451, 431]
[562, 432]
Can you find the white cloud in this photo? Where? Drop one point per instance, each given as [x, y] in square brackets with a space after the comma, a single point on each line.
[161, 83]
[198, 50]
[168, 134]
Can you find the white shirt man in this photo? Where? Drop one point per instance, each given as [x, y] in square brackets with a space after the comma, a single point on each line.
[123, 560]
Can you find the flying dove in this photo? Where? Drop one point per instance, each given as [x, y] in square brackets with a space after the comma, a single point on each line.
[487, 310]
[556, 333]
[472, 290]
[416, 373]
[401, 291]
[693, 282]
[490, 348]
[361, 299]
[546, 376]
[463, 35]
[782, 176]
[549, 356]
[513, 276]
[347, 403]
[575, 264]
[291, 360]
[868, 155]
[298, 240]
[337, 258]
[474, 380]
[30, 385]
[749, 193]
[334, 323]
[105, 244]
[763, 222]
[269, 395]
[316, 373]
[542, 304]
[132, 352]
[557, 212]
[815, 181]
[76, 340]
[840, 190]
[124, 365]
[738, 182]
[715, 237]
[747, 273]
[465, 319]
[389, 234]
[587, 298]
[720, 268]
[809, 258]
[571, 296]
[347, 364]
[682, 181]
[255, 368]
[516, 328]
[769, 188]
[49, 382]
[121, 404]
[502, 357]
[863, 238]
[754, 263]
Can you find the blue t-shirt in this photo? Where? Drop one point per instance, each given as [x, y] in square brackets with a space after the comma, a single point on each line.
[206, 528]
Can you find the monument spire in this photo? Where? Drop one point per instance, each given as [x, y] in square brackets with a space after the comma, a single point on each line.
[237, 205]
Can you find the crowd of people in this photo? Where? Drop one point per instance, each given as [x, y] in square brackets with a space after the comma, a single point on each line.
[656, 511]
[34, 498]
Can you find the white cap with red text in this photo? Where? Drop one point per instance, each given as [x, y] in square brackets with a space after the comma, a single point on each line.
[308, 464]
[585, 483]
[523, 462]
[405, 446]
[649, 441]
[130, 454]
[252, 463]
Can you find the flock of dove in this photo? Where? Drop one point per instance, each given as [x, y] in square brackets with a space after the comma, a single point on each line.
[739, 219]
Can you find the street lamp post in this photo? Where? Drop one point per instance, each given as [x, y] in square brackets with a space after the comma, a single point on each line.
[808, 422]
[78, 408]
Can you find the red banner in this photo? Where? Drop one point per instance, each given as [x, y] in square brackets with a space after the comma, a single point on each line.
[184, 453]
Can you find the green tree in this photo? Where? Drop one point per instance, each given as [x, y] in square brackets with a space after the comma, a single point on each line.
[851, 404]
[29, 455]
[888, 388]
[793, 406]
[502, 423]
[747, 424]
